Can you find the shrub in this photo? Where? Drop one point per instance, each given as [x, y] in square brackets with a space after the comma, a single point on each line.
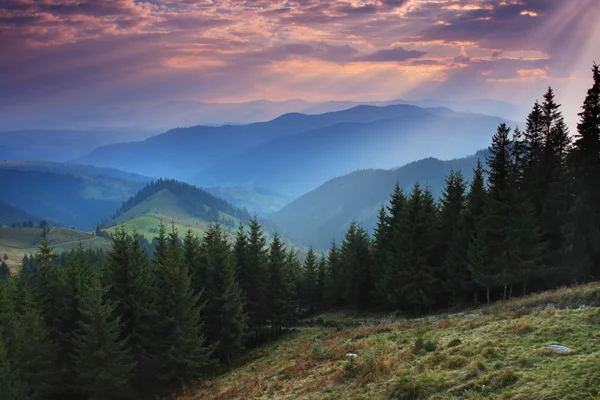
[423, 345]
[455, 362]
[522, 327]
[419, 387]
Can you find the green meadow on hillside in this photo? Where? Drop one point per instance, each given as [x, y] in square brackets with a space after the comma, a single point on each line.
[498, 352]
[15, 243]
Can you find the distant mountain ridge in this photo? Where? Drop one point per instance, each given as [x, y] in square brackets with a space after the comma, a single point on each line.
[324, 213]
[163, 116]
[295, 164]
[182, 153]
[228, 155]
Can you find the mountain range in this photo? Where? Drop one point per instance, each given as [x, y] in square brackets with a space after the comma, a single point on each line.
[296, 152]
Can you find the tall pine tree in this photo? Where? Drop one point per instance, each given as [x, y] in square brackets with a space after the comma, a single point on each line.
[583, 228]
[224, 313]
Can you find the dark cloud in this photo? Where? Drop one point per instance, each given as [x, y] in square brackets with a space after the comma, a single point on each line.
[396, 54]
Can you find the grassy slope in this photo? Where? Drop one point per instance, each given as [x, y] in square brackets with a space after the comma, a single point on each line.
[18, 242]
[146, 217]
[499, 352]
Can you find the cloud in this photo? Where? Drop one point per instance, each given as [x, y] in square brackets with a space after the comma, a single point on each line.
[396, 54]
[125, 52]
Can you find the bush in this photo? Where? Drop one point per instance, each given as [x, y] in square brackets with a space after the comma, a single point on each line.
[455, 362]
[419, 387]
[423, 345]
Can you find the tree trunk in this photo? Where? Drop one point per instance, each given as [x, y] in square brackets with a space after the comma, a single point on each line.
[475, 296]
[510, 292]
[524, 289]
[488, 295]
[504, 295]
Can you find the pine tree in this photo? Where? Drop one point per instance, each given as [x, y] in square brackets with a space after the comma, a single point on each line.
[583, 228]
[293, 269]
[553, 214]
[310, 301]
[191, 257]
[506, 246]
[452, 204]
[381, 255]
[356, 258]
[336, 282]
[28, 348]
[240, 249]
[388, 284]
[101, 360]
[224, 313]
[79, 276]
[460, 279]
[279, 286]
[130, 292]
[321, 282]
[414, 277]
[28, 270]
[160, 246]
[179, 344]
[51, 293]
[11, 388]
[253, 276]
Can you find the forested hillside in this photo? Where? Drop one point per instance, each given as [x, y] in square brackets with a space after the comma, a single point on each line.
[127, 326]
[11, 215]
[78, 201]
[325, 213]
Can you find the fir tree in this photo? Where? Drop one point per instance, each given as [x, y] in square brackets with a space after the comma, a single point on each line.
[321, 282]
[310, 300]
[583, 228]
[101, 360]
[356, 258]
[11, 388]
[279, 286]
[554, 205]
[460, 279]
[28, 347]
[452, 203]
[130, 292]
[381, 255]
[253, 276]
[51, 293]
[179, 344]
[224, 313]
[293, 270]
[335, 288]
[160, 246]
[415, 277]
[191, 257]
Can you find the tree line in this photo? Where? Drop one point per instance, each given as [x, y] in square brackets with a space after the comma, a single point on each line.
[125, 325]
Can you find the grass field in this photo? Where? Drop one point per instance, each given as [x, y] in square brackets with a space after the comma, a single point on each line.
[499, 352]
[15, 243]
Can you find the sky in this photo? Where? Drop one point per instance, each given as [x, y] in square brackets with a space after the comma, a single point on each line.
[126, 54]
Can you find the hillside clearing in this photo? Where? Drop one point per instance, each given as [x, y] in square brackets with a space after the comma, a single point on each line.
[15, 243]
[503, 353]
